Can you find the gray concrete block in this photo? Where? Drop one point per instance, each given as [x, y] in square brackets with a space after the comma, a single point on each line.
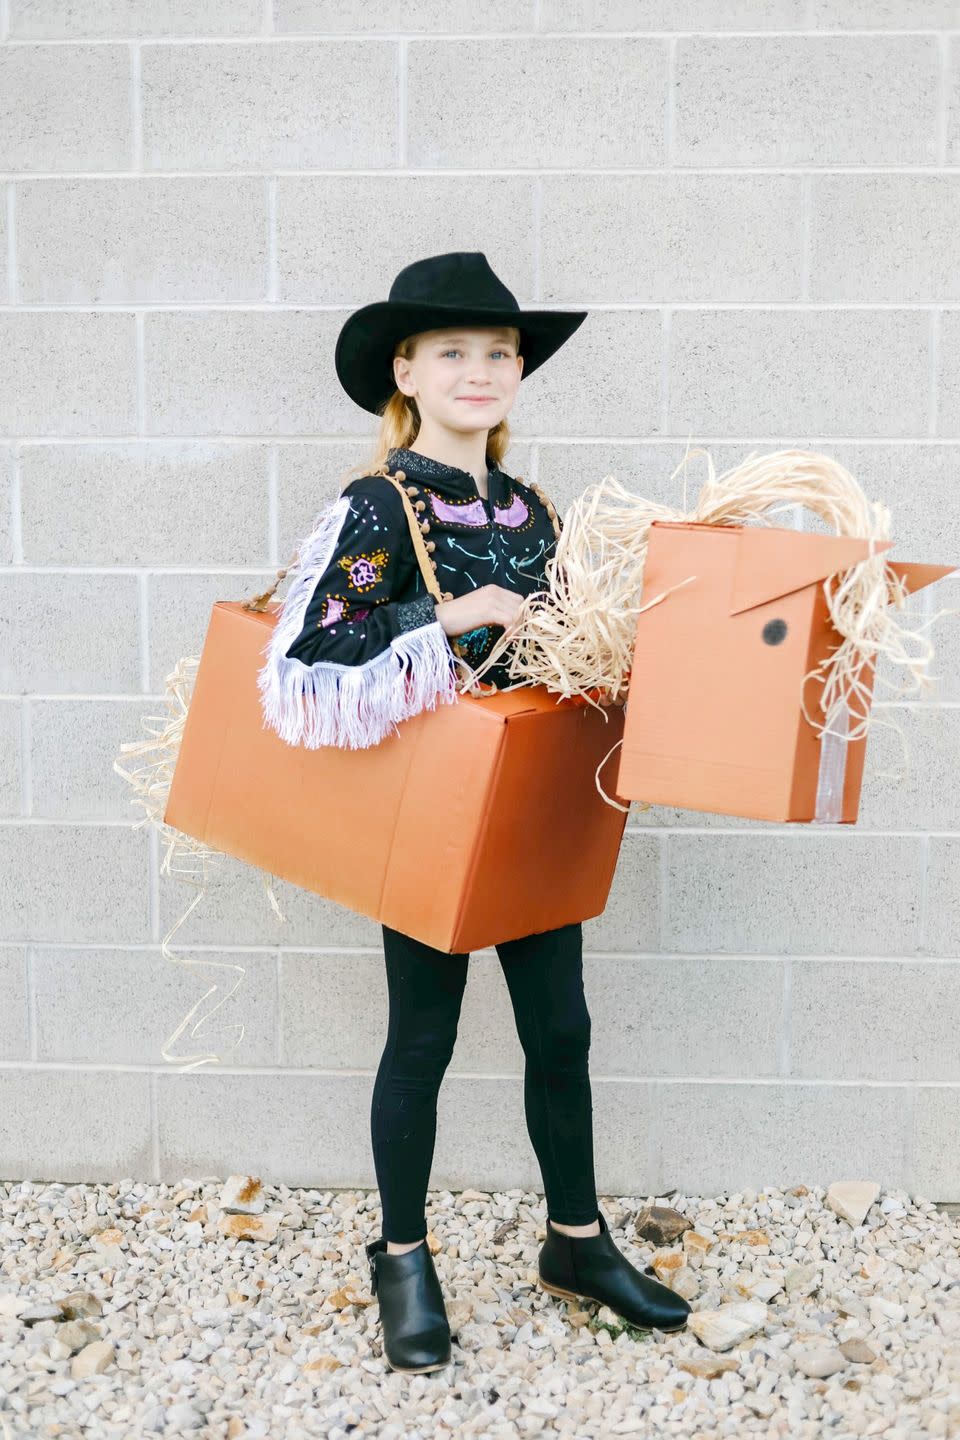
[792, 893]
[67, 373]
[408, 16]
[908, 779]
[756, 372]
[721, 1138]
[6, 504]
[948, 397]
[289, 1128]
[11, 757]
[883, 14]
[59, 19]
[631, 918]
[65, 107]
[330, 230]
[942, 930]
[936, 1166]
[179, 608]
[593, 396]
[679, 238]
[176, 502]
[51, 632]
[884, 239]
[72, 745]
[760, 100]
[72, 1124]
[121, 1007]
[14, 1017]
[236, 910]
[911, 1030]
[253, 372]
[612, 115]
[653, 1015]
[81, 884]
[159, 240]
[672, 15]
[278, 106]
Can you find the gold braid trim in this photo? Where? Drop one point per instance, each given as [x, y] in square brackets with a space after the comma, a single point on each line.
[418, 528]
[545, 501]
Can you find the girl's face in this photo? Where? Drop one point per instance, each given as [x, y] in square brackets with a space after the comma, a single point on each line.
[465, 377]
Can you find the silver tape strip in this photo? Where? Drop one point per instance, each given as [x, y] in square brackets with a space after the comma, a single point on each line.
[833, 768]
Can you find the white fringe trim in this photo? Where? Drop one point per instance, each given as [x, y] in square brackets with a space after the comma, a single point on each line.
[352, 706]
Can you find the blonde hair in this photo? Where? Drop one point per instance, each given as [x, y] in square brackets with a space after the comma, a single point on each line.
[400, 421]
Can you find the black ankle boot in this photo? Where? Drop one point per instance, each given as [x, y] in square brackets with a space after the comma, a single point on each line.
[590, 1267]
[416, 1335]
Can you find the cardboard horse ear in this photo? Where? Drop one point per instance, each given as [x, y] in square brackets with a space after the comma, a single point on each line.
[915, 576]
[714, 719]
[766, 568]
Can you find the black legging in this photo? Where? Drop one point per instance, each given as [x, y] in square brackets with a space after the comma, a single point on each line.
[544, 974]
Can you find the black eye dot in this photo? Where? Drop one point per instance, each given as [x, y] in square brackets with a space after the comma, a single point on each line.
[774, 631]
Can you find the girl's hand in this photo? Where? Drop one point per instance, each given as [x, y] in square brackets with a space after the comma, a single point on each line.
[490, 605]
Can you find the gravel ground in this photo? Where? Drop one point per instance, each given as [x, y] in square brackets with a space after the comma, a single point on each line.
[230, 1308]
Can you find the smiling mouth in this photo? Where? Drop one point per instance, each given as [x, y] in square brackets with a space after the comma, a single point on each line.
[478, 399]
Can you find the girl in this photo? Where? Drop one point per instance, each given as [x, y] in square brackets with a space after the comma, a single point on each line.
[359, 645]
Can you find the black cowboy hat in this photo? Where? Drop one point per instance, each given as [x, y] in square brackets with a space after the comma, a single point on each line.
[458, 288]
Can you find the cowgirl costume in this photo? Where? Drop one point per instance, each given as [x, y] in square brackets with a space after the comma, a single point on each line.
[356, 649]
[359, 613]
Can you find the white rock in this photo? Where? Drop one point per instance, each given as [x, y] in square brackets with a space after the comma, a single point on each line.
[726, 1326]
[851, 1199]
[249, 1226]
[37, 1314]
[184, 1416]
[949, 1322]
[762, 1405]
[763, 1289]
[93, 1359]
[886, 1309]
[819, 1364]
[801, 1280]
[243, 1195]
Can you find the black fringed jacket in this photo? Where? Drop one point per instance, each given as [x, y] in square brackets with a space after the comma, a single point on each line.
[357, 646]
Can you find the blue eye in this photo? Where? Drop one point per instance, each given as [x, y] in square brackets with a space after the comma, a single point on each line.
[445, 353]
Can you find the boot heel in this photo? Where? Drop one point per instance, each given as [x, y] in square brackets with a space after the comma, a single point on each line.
[564, 1294]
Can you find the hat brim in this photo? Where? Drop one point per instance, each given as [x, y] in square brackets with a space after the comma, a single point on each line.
[364, 352]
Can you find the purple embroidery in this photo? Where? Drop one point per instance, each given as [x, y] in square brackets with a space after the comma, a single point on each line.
[517, 514]
[362, 573]
[472, 514]
[334, 610]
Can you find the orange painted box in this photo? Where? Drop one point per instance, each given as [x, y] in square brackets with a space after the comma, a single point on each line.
[714, 720]
[477, 822]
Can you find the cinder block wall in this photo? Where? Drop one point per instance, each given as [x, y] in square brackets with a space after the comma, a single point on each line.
[758, 203]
